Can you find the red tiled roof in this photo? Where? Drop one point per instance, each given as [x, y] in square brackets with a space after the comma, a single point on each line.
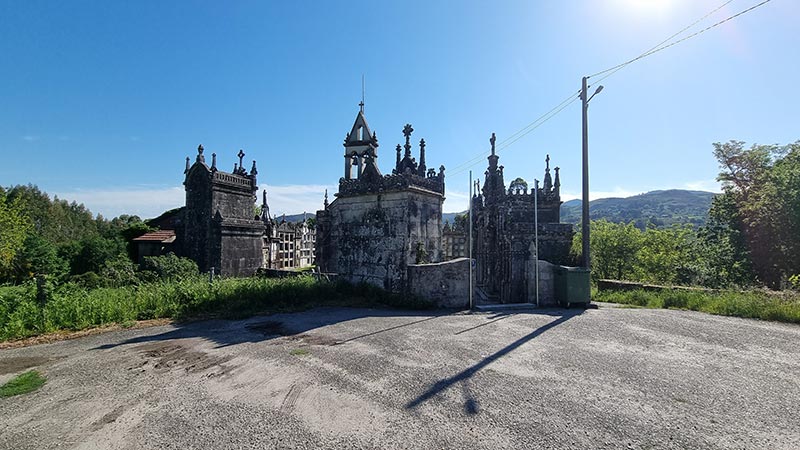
[165, 236]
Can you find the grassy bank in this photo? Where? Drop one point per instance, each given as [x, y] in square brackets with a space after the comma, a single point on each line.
[70, 307]
[750, 304]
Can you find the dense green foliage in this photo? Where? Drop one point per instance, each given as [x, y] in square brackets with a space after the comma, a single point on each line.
[59, 239]
[758, 213]
[655, 208]
[751, 304]
[22, 384]
[73, 307]
[679, 255]
[751, 237]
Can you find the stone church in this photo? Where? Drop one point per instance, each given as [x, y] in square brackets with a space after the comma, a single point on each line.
[379, 225]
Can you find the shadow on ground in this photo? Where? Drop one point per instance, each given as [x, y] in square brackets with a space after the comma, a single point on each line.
[471, 404]
[225, 333]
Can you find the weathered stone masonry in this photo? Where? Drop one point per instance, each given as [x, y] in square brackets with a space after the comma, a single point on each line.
[504, 232]
[219, 229]
[380, 224]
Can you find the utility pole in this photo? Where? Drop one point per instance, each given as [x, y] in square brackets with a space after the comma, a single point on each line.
[585, 192]
[536, 232]
[585, 200]
[471, 300]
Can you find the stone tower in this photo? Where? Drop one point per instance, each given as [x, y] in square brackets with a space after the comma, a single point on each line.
[219, 227]
[379, 224]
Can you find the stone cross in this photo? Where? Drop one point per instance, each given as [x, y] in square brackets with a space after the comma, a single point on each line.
[492, 141]
[241, 155]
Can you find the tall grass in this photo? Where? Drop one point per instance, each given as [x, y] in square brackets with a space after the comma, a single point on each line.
[749, 304]
[71, 307]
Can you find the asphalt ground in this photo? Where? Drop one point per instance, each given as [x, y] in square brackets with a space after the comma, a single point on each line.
[363, 378]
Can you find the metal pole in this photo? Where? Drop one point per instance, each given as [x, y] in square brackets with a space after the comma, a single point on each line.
[536, 232]
[585, 198]
[471, 303]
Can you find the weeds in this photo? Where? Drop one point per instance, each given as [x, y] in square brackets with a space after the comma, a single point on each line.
[22, 384]
[749, 304]
[74, 307]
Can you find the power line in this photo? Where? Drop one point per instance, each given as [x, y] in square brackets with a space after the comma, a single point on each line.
[660, 47]
[463, 167]
[611, 71]
[519, 134]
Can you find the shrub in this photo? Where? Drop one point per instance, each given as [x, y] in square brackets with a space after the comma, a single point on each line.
[170, 267]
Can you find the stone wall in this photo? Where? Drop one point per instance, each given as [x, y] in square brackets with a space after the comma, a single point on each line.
[547, 287]
[374, 237]
[445, 283]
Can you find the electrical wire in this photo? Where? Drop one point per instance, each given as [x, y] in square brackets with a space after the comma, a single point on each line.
[510, 140]
[661, 47]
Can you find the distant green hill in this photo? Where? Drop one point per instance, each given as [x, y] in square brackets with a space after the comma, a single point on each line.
[662, 208]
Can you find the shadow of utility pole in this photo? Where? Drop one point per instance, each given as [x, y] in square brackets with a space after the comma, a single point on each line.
[471, 405]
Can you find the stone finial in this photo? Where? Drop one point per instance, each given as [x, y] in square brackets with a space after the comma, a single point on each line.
[547, 185]
[397, 164]
[213, 161]
[200, 157]
[492, 141]
[253, 170]
[557, 184]
[441, 171]
[407, 130]
[187, 165]
[325, 202]
[235, 168]
[374, 137]
[346, 138]
[422, 167]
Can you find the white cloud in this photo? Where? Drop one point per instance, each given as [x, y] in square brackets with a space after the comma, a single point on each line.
[145, 203]
[148, 203]
[703, 185]
[30, 138]
[287, 199]
[455, 201]
[296, 198]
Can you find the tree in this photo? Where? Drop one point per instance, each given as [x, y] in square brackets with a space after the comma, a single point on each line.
[663, 253]
[761, 186]
[14, 228]
[614, 248]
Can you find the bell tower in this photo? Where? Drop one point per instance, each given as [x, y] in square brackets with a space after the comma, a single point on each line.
[360, 144]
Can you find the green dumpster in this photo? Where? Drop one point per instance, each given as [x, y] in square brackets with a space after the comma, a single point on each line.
[572, 286]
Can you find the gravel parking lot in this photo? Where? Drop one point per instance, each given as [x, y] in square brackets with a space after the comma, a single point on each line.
[362, 378]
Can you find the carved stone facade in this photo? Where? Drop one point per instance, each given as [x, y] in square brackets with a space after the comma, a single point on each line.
[380, 224]
[504, 231]
[218, 228]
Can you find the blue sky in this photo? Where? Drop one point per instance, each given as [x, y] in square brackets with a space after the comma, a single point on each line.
[103, 100]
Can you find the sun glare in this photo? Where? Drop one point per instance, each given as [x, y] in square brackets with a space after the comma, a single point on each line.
[648, 6]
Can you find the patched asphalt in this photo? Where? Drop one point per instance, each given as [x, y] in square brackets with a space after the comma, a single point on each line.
[365, 378]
